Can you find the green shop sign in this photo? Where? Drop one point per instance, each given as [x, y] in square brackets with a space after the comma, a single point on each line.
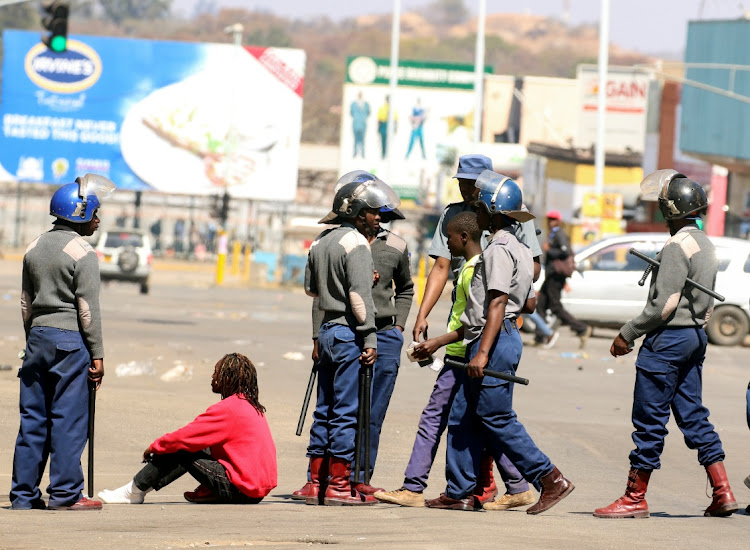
[376, 70]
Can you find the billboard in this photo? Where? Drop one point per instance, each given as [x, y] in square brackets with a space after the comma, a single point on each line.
[627, 104]
[433, 112]
[174, 117]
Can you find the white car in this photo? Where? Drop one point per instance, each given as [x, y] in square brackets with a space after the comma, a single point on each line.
[604, 291]
[124, 255]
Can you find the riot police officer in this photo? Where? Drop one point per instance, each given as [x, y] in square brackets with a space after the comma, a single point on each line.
[64, 348]
[670, 360]
[340, 273]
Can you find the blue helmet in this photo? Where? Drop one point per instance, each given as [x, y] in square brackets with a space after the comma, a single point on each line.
[501, 195]
[77, 202]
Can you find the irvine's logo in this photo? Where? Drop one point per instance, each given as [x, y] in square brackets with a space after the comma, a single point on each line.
[67, 72]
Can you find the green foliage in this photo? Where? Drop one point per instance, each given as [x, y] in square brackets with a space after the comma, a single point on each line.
[274, 35]
[119, 11]
[447, 12]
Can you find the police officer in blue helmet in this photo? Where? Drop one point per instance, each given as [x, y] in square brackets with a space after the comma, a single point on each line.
[64, 350]
[482, 413]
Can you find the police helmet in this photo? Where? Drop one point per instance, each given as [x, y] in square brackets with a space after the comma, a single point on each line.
[357, 190]
[499, 194]
[678, 195]
[77, 202]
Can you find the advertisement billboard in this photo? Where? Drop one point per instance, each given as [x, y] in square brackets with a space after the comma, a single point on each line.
[174, 117]
[433, 112]
[627, 104]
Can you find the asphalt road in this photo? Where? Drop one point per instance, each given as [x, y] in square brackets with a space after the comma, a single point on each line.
[576, 408]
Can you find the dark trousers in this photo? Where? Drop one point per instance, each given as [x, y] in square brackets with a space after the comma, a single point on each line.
[669, 377]
[482, 417]
[334, 424]
[384, 375]
[53, 403]
[549, 298]
[163, 469]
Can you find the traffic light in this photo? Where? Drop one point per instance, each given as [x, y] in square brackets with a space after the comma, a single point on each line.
[56, 22]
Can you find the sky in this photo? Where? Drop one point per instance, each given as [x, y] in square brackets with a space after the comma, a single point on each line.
[647, 26]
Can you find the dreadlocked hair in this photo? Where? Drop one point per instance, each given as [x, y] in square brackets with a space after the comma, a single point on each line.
[237, 375]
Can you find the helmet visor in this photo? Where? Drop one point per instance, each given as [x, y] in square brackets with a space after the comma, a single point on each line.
[355, 175]
[655, 185]
[377, 194]
[490, 182]
[95, 184]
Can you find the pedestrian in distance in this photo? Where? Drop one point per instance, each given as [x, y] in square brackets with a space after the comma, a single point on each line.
[392, 296]
[558, 267]
[464, 238]
[64, 350]
[482, 413]
[669, 365]
[228, 449]
[340, 273]
[469, 168]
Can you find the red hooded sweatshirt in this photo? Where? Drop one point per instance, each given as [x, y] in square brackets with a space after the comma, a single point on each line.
[239, 438]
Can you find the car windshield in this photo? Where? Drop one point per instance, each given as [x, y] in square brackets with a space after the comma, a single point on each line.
[118, 240]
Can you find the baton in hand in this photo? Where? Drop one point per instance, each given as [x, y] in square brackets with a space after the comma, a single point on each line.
[92, 411]
[494, 374]
[362, 440]
[654, 263]
[306, 402]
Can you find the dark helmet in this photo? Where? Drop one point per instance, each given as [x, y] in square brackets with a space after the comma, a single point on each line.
[357, 190]
[678, 195]
[499, 194]
[77, 202]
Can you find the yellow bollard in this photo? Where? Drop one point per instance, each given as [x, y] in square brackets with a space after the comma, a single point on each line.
[421, 277]
[246, 264]
[221, 262]
[236, 251]
[221, 257]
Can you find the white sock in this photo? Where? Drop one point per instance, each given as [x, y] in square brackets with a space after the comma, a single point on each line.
[127, 494]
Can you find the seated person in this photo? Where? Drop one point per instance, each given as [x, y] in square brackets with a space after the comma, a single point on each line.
[228, 448]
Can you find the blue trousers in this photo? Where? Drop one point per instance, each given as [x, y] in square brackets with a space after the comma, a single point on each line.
[54, 418]
[482, 416]
[384, 375]
[334, 424]
[432, 424]
[668, 377]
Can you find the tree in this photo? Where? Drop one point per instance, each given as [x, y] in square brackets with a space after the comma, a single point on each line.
[121, 10]
[447, 12]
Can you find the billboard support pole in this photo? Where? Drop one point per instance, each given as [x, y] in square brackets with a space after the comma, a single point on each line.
[599, 157]
[395, 38]
[479, 73]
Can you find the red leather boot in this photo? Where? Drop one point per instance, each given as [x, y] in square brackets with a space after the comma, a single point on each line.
[723, 503]
[633, 503]
[340, 491]
[486, 489]
[312, 490]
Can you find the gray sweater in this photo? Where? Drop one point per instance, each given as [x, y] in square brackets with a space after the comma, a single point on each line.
[339, 272]
[60, 286]
[394, 292]
[671, 302]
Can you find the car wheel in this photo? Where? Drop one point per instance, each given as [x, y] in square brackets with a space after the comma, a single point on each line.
[144, 287]
[128, 260]
[728, 326]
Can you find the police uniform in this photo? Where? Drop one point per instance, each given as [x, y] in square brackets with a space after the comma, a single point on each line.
[670, 361]
[526, 234]
[482, 413]
[392, 297]
[339, 273]
[60, 309]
